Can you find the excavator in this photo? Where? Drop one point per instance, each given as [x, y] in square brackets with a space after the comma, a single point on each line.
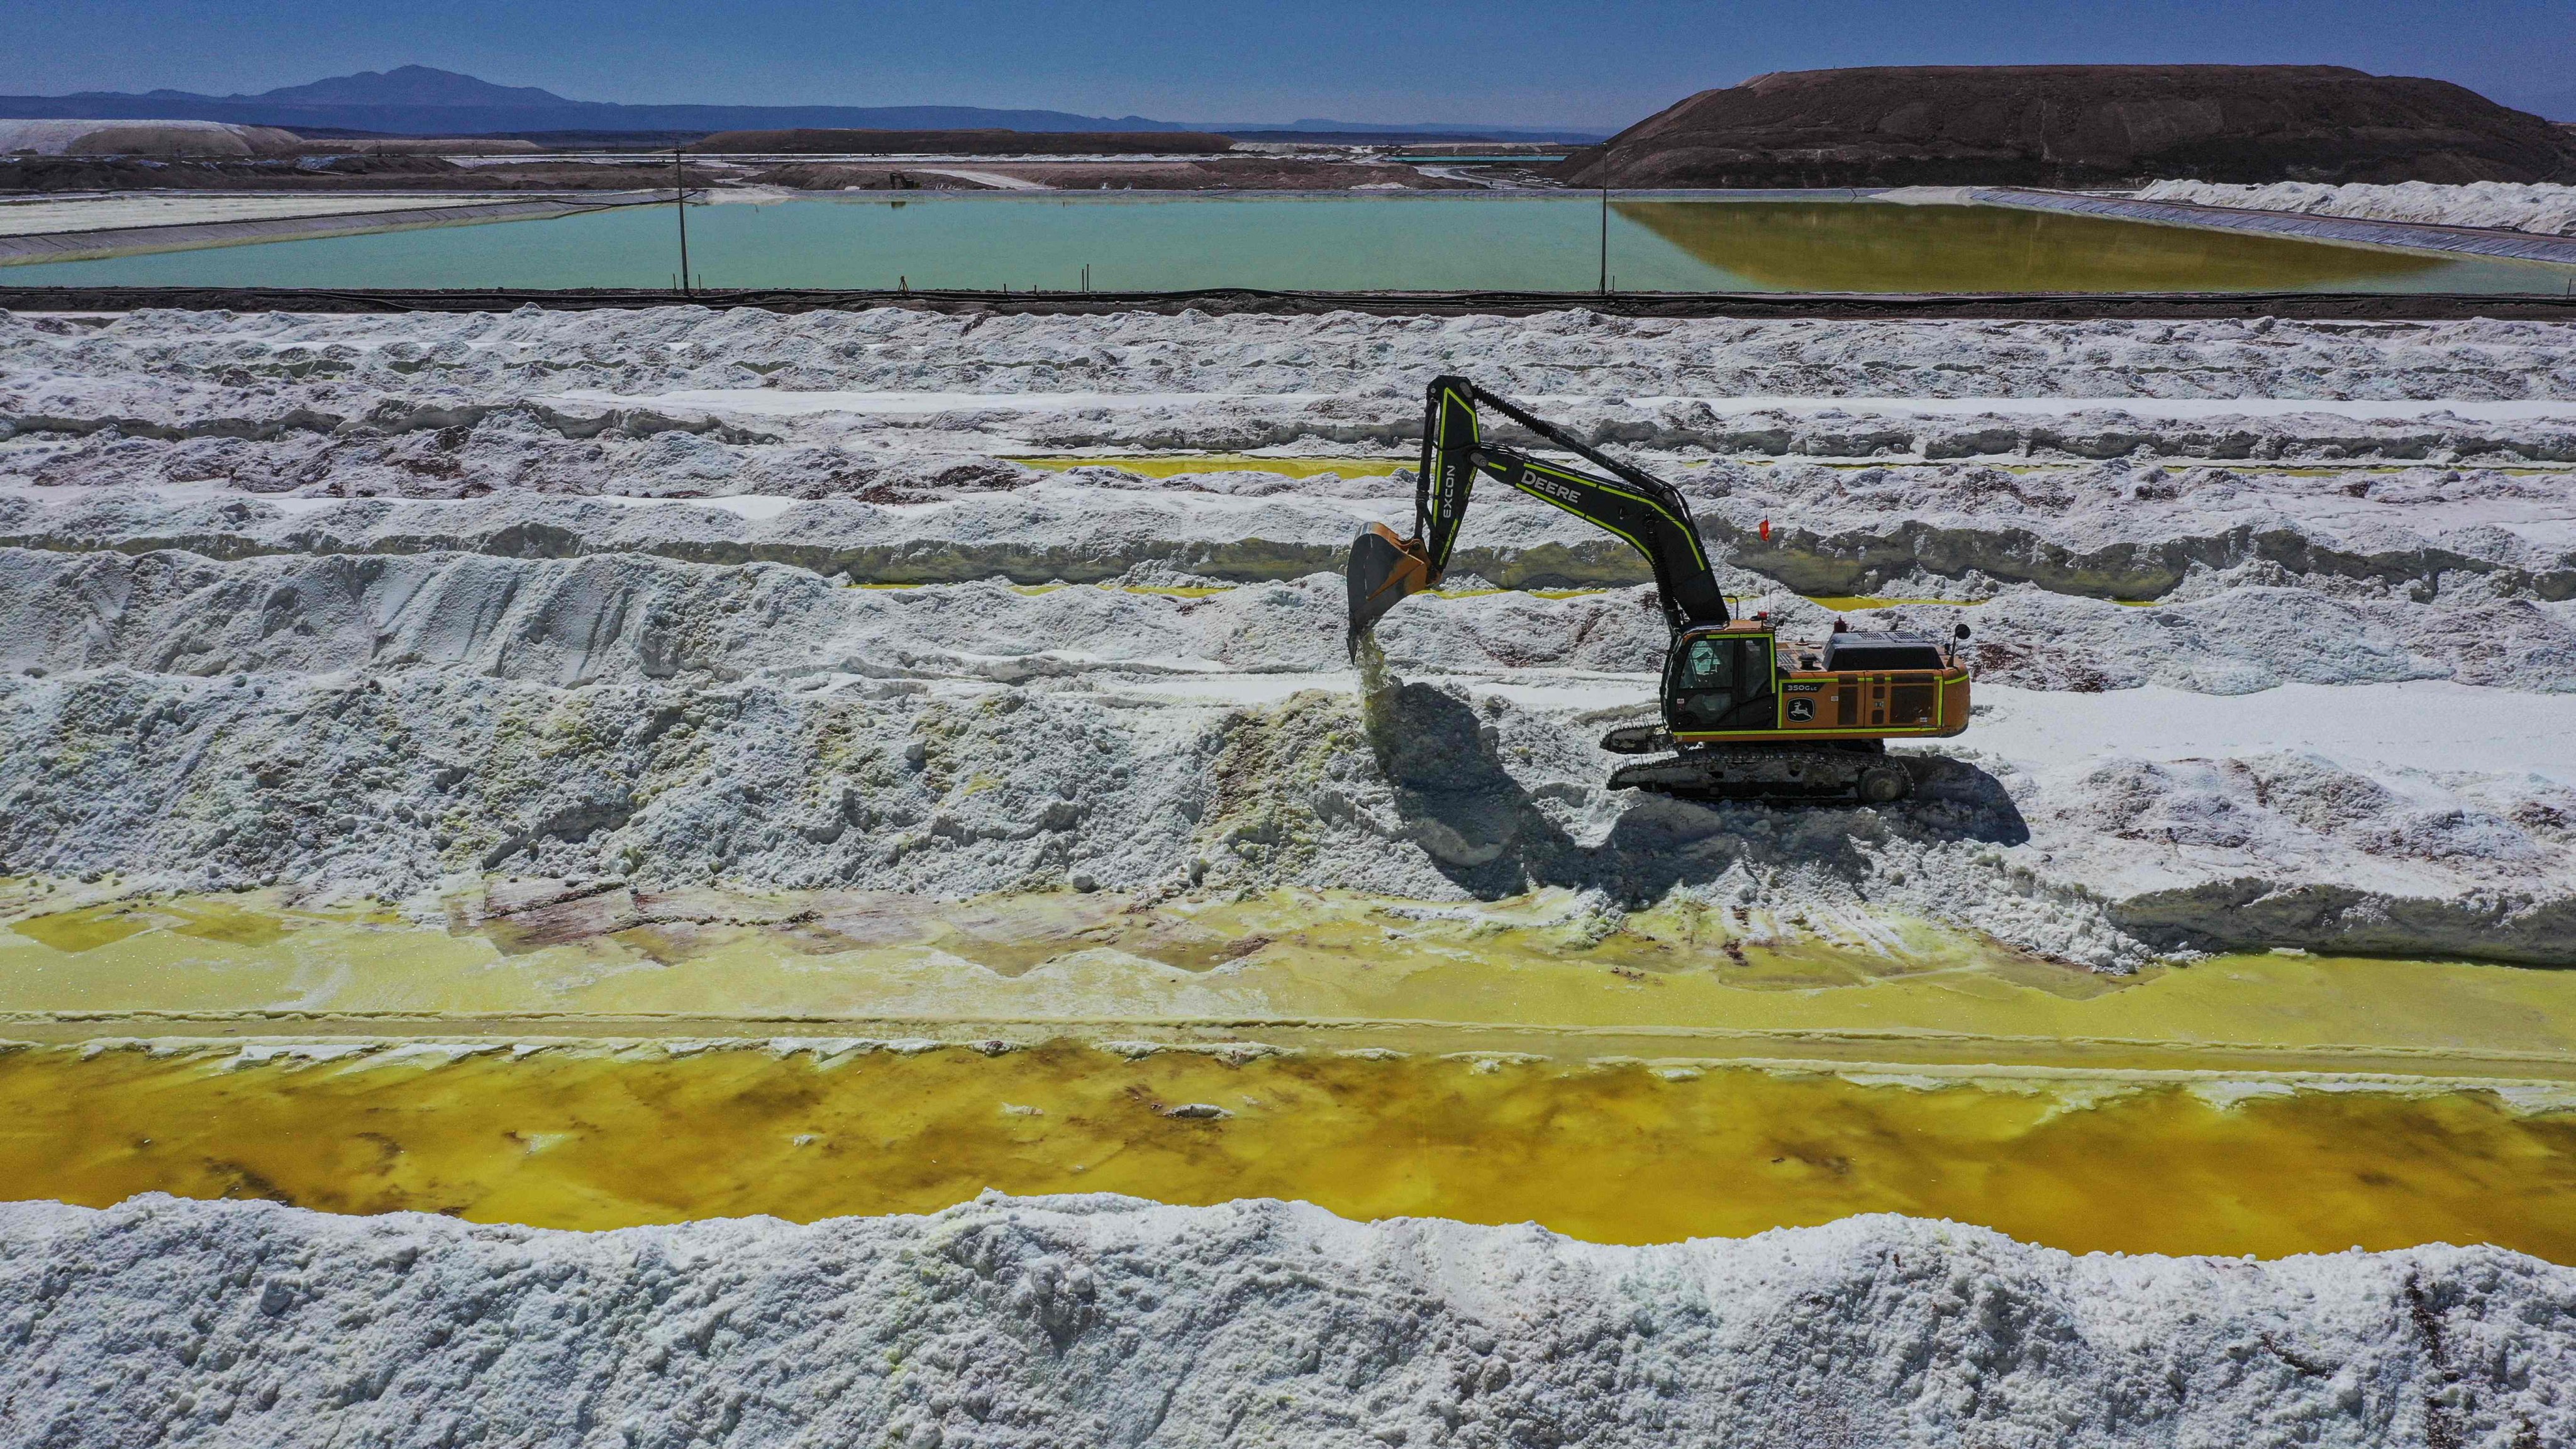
[1746, 715]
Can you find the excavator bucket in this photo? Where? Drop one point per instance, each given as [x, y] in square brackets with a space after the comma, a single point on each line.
[1384, 570]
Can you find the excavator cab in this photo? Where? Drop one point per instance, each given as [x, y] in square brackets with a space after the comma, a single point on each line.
[1721, 679]
[1745, 717]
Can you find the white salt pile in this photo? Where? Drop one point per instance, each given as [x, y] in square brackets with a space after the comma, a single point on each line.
[176, 366]
[156, 137]
[1111, 1321]
[2544, 207]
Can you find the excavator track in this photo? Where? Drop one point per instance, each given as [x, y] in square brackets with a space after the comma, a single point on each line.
[1783, 773]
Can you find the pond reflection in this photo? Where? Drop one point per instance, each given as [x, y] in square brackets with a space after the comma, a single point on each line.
[1873, 247]
[1840, 246]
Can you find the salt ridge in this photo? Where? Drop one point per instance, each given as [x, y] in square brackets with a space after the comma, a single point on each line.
[1106, 1320]
[2542, 207]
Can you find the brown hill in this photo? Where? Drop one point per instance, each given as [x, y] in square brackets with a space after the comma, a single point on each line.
[2078, 125]
[966, 143]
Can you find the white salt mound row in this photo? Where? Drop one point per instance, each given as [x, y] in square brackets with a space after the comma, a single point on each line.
[630, 618]
[2543, 207]
[379, 724]
[171, 366]
[1103, 1320]
[2109, 530]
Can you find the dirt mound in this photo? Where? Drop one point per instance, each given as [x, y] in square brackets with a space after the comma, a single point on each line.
[826, 176]
[240, 173]
[423, 146]
[966, 143]
[2078, 125]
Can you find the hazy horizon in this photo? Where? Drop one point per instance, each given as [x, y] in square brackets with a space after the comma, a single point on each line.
[1526, 63]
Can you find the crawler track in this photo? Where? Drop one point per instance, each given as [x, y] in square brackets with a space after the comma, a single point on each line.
[1861, 773]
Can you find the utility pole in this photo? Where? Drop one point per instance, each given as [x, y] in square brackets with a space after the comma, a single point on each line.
[1605, 220]
[680, 207]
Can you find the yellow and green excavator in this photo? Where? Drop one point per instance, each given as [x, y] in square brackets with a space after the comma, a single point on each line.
[1746, 715]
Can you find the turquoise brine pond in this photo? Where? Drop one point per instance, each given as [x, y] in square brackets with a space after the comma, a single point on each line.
[1323, 243]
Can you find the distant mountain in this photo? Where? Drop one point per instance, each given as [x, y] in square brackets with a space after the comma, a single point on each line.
[410, 85]
[418, 100]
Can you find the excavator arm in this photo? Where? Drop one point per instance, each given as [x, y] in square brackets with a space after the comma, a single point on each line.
[1645, 511]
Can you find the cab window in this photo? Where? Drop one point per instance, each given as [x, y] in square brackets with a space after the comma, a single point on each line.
[1721, 683]
[1710, 665]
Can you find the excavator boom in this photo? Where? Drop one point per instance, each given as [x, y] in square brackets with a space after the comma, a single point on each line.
[1645, 511]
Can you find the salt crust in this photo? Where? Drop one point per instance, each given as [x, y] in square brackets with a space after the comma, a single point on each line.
[383, 724]
[2109, 530]
[316, 687]
[174, 366]
[633, 619]
[155, 426]
[380, 722]
[1109, 1320]
[2072, 1088]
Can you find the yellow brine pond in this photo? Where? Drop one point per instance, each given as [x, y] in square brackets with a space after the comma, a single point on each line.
[613, 1056]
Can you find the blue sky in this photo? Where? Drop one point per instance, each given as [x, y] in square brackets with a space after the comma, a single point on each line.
[1535, 62]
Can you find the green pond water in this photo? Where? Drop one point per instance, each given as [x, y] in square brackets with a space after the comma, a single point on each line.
[1445, 242]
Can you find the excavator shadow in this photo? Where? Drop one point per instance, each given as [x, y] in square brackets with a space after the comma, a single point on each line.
[1490, 836]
